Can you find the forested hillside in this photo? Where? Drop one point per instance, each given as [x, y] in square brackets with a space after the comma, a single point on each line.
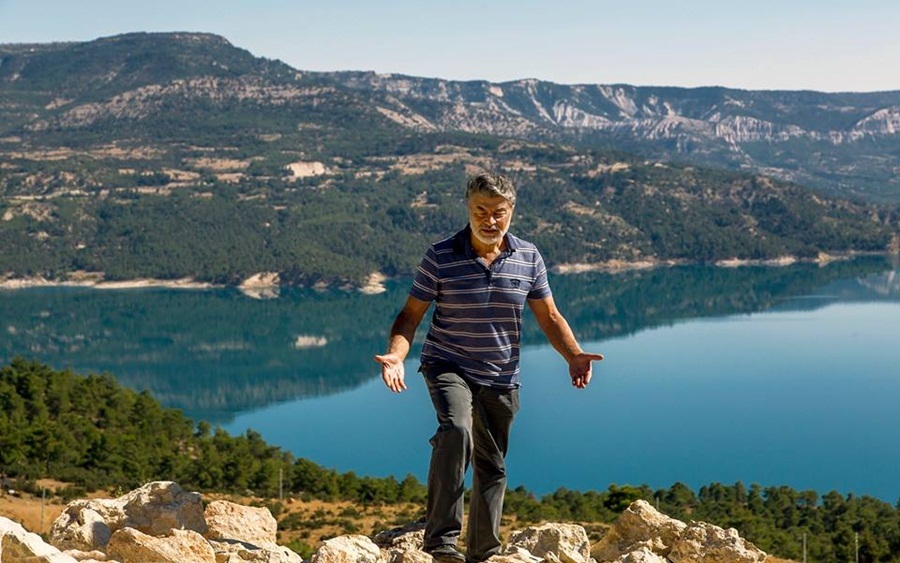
[180, 155]
[96, 434]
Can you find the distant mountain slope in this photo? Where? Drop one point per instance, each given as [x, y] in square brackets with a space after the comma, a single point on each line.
[178, 154]
[844, 143]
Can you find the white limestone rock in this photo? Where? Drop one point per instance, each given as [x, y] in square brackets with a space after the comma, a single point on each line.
[513, 554]
[155, 509]
[403, 538]
[349, 549]
[95, 556]
[84, 525]
[411, 556]
[239, 552]
[641, 555]
[639, 526]
[248, 524]
[18, 544]
[568, 542]
[129, 545]
[705, 543]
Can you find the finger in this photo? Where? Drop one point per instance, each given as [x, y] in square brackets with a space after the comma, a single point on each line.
[594, 357]
[380, 358]
[394, 380]
[391, 384]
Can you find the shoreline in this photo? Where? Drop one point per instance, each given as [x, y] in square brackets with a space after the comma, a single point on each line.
[375, 282]
[620, 266]
[138, 283]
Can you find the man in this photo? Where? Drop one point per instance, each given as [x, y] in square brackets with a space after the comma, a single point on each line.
[479, 279]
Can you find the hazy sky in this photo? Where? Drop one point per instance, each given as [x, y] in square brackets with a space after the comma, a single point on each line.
[829, 45]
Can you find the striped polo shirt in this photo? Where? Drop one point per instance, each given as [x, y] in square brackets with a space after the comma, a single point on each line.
[477, 320]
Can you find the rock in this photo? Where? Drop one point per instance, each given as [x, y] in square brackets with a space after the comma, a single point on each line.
[513, 554]
[88, 556]
[403, 543]
[230, 521]
[403, 538]
[129, 545]
[264, 285]
[412, 556]
[18, 544]
[641, 555]
[83, 525]
[639, 526]
[155, 509]
[348, 549]
[239, 552]
[705, 543]
[643, 535]
[568, 542]
[161, 506]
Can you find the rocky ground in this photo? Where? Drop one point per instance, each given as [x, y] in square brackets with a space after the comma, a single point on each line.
[160, 522]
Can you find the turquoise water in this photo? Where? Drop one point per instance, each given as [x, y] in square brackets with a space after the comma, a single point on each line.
[766, 375]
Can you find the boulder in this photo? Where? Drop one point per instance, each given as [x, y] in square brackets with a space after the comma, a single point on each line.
[567, 542]
[349, 549]
[240, 552]
[411, 536]
[95, 556]
[229, 521]
[643, 535]
[412, 556]
[155, 509]
[641, 555]
[162, 506]
[705, 543]
[18, 544]
[639, 526]
[513, 554]
[129, 545]
[84, 525]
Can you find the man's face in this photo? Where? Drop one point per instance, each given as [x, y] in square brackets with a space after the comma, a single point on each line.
[489, 218]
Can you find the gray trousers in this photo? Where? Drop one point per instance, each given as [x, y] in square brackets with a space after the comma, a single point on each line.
[473, 426]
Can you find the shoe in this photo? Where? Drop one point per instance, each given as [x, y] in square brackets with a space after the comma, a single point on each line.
[447, 554]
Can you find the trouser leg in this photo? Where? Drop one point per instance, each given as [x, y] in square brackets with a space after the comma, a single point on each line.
[450, 455]
[494, 410]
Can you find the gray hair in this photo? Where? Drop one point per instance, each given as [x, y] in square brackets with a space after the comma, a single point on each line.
[491, 185]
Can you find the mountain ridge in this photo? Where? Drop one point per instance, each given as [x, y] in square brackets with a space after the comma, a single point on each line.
[180, 155]
[709, 125]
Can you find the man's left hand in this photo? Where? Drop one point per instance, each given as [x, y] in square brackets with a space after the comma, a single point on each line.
[580, 368]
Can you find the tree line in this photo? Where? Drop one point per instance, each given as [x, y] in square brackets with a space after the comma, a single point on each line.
[95, 434]
[347, 226]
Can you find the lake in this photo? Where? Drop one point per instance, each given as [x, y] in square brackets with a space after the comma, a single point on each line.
[764, 375]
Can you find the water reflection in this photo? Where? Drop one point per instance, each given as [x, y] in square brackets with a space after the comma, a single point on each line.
[214, 353]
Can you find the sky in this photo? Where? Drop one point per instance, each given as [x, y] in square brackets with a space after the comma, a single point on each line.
[825, 45]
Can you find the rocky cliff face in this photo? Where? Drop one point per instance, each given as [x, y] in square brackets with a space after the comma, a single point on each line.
[813, 137]
[647, 112]
[161, 523]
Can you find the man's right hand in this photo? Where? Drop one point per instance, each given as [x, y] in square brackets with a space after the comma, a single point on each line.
[392, 372]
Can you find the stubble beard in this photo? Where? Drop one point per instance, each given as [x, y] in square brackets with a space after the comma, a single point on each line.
[476, 232]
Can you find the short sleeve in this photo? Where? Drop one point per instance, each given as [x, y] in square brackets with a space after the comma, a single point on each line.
[540, 289]
[425, 284]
